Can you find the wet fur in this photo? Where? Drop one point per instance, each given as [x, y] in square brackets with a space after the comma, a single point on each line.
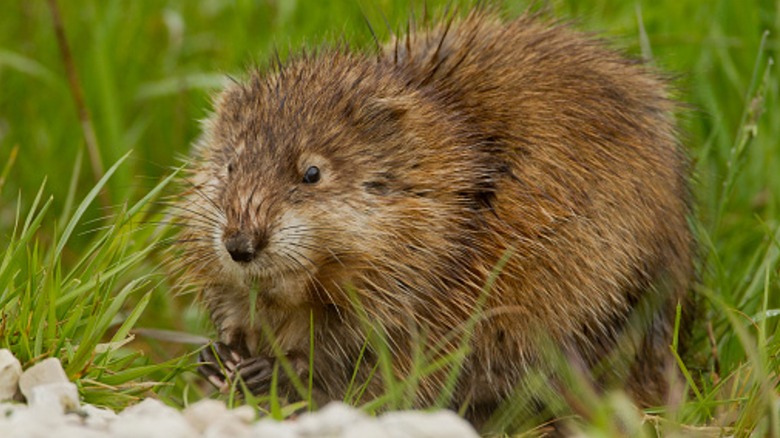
[455, 146]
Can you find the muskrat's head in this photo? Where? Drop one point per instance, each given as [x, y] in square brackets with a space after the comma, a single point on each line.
[332, 172]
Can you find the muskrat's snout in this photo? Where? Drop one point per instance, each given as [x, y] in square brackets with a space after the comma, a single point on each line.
[243, 247]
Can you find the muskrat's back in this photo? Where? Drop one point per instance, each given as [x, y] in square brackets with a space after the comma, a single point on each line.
[518, 171]
[590, 193]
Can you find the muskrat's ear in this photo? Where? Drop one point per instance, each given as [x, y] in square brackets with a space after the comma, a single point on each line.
[387, 108]
[382, 115]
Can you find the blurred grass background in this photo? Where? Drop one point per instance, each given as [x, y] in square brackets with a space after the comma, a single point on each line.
[147, 69]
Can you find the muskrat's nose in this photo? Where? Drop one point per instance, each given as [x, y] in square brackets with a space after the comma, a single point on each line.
[240, 247]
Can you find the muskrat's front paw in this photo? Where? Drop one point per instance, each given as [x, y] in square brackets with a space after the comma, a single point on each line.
[257, 374]
[218, 365]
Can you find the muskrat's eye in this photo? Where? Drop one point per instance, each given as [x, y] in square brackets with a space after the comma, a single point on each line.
[312, 175]
[231, 168]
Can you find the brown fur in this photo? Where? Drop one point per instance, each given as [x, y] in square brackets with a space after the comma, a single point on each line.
[458, 145]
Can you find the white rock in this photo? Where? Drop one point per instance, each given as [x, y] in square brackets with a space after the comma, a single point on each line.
[148, 407]
[214, 419]
[44, 372]
[97, 418]
[228, 427]
[366, 428]
[268, 428]
[54, 397]
[43, 417]
[330, 421]
[79, 426]
[43, 423]
[338, 420]
[151, 419]
[10, 370]
[245, 413]
[68, 431]
[439, 424]
[205, 412]
[8, 410]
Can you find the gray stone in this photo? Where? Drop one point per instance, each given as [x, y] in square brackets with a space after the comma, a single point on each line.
[10, 370]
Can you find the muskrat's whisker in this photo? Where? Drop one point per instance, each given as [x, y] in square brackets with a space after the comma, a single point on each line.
[194, 215]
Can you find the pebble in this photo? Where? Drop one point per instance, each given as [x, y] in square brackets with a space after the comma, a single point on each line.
[10, 370]
[44, 372]
[330, 421]
[439, 424]
[268, 428]
[213, 419]
[151, 419]
[53, 409]
[54, 397]
[97, 418]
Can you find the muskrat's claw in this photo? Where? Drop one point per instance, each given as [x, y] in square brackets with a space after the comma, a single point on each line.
[257, 374]
[227, 368]
[218, 365]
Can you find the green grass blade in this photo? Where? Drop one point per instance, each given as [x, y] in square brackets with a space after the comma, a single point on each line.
[74, 220]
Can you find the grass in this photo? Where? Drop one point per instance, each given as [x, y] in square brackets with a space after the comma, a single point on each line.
[81, 264]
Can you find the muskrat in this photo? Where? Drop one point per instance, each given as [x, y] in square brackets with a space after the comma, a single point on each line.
[503, 185]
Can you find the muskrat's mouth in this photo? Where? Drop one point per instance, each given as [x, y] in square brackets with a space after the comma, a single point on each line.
[268, 278]
[278, 288]
[261, 271]
[265, 278]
